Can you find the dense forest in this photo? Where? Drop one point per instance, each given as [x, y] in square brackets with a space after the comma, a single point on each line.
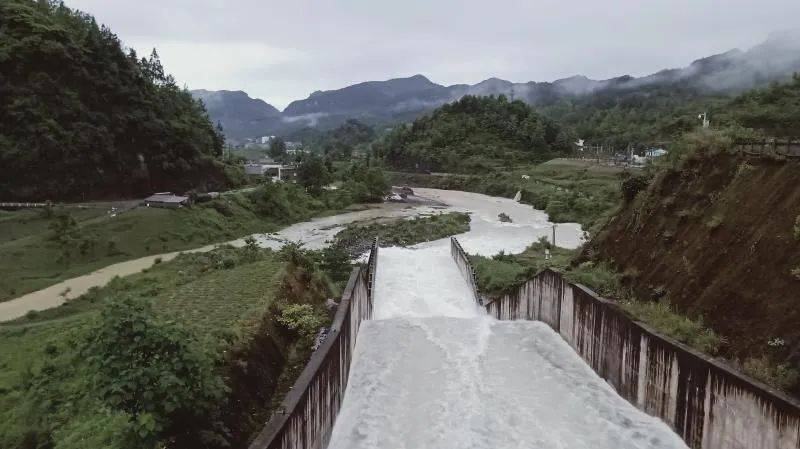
[338, 143]
[638, 117]
[473, 134]
[653, 116]
[774, 110]
[82, 119]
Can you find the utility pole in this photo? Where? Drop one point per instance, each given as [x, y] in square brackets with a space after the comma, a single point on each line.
[554, 235]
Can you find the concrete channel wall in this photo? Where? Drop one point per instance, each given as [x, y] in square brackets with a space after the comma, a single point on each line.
[708, 404]
[464, 265]
[306, 417]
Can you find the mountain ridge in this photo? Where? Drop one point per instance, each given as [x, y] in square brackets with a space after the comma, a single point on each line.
[405, 98]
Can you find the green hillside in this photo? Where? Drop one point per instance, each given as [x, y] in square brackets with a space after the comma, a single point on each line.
[472, 134]
[82, 119]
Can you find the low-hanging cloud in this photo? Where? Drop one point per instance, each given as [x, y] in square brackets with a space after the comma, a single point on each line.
[280, 51]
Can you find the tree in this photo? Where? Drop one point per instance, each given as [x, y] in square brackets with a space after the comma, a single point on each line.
[472, 134]
[117, 124]
[312, 174]
[153, 370]
[277, 149]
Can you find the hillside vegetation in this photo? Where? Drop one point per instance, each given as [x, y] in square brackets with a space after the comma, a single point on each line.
[657, 115]
[78, 115]
[774, 111]
[472, 135]
[716, 236]
[191, 353]
[339, 143]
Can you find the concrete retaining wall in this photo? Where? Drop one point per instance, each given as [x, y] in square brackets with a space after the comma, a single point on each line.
[308, 413]
[465, 266]
[706, 402]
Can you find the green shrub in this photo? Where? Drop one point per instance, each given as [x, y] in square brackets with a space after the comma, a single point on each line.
[600, 277]
[405, 232]
[632, 185]
[102, 429]
[498, 275]
[153, 370]
[302, 319]
[222, 207]
[660, 316]
[336, 263]
[779, 375]
[535, 198]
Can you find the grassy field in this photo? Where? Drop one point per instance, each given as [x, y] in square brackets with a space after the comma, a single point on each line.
[39, 249]
[221, 296]
[34, 258]
[194, 288]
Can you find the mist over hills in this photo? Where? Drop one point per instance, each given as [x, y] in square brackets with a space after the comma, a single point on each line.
[240, 115]
[402, 99]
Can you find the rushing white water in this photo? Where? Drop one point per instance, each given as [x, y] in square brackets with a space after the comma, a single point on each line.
[433, 371]
[488, 236]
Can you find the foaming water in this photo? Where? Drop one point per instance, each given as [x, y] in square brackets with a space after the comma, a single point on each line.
[433, 371]
[479, 383]
[421, 282]
[488, 236]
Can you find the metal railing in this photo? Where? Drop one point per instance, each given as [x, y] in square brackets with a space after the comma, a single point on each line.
[787, 147]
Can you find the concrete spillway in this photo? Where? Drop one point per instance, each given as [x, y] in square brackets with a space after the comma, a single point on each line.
[431, 370]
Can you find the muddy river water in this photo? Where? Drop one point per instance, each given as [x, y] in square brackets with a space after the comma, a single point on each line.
[527, 226]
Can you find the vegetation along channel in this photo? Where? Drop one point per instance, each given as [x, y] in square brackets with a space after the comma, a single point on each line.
[173, 255]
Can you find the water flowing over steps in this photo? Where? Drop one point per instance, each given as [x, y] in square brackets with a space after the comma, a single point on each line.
[431, 370]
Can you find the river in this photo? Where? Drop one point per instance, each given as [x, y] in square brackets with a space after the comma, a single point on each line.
[432, 371]
[527, 226]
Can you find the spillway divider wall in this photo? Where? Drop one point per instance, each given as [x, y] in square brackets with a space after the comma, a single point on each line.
[709, 404]
[308, 412]
[466, 268]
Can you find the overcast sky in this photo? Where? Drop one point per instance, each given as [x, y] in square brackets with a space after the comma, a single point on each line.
[282, 51]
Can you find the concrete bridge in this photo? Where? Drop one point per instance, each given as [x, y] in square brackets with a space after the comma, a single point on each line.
[417, 359]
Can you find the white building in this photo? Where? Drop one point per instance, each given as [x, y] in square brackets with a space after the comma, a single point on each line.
[276, 171]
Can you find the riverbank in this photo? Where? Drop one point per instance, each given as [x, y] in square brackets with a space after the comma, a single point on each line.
[313, 234]
[230, 299]
[568, 192]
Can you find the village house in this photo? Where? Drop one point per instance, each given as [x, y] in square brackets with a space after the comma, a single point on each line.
[277, 172]
[166, 200]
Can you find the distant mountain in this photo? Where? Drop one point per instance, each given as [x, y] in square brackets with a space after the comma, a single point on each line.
[240, 115]
[403, 99]
[372, 97]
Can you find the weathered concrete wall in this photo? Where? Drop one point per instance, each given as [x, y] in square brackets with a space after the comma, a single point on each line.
[465, 266]
[309, 411]
[707, 403]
